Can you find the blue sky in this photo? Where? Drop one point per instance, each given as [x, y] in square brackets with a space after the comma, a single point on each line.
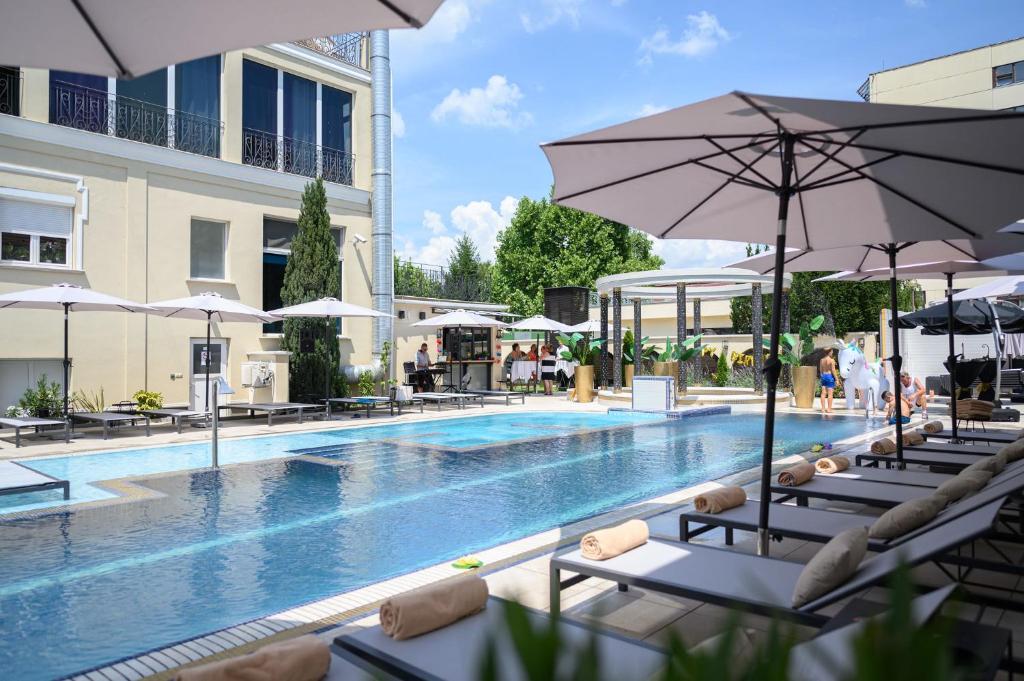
[487, 81]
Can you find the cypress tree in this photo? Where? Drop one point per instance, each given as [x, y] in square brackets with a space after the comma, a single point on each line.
[311, 273]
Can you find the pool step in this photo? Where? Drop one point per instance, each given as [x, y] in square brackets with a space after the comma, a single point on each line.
[338, 449]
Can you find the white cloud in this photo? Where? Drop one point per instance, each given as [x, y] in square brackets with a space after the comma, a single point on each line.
[397, 124]
[477, 219]
[555, 11]
[682, 253]
[412, 48]
[702, 35]
[493, 106]
[651, 109]
[917, 4]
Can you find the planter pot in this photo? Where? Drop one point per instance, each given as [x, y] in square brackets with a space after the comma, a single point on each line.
[584, 376]
[666, 369]
[629, 371]
[805, 381]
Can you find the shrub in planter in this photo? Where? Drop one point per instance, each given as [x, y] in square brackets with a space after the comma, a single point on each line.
[148, 400]
[45, 400]
[366, 384]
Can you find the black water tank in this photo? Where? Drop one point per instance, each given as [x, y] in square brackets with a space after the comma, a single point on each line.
[567, 304]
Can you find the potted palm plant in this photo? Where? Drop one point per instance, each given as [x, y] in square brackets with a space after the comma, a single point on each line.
[581, 351]
[792, 347]
[647, 354]
[667, 362]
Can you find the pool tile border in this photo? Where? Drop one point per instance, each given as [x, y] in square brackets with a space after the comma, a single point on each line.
[339, 609]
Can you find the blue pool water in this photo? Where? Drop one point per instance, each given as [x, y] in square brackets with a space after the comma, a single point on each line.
[87, 586]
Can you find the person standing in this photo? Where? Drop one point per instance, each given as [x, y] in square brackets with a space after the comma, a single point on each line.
[913, 392]
[547, 370]
[423, 368]
[827, 369]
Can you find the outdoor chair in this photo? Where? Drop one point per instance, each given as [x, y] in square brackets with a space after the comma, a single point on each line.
[33, 422]
[760, 585]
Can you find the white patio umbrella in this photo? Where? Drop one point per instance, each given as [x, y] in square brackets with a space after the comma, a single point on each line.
[211, 307]
[1000, 288]
[69, 297]
[856, 173]
[930, 270]
[115, 37]
[539, 323]
[460, 319]
[328, 308]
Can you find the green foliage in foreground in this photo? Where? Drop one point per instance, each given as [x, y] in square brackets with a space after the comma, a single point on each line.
[891, 648]
[148, 399]
[46, 399]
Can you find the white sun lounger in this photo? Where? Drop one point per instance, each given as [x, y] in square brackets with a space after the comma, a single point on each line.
[760, 585]
[16, 478]
[19, 422]
[454, 652]
[110, 418]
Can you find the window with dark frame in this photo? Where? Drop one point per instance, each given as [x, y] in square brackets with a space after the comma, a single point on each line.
[1008, 74]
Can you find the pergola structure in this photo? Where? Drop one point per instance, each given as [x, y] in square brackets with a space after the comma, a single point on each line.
[720, 283]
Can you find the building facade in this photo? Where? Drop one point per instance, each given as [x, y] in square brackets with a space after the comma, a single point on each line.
[181, 181]
[989, 77]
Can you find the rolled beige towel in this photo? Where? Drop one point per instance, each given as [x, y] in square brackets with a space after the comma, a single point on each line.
[932, 427]
[720, 500]
[828, 465]
[884, 446]
[432, 607]
[306, 658]
[912, 438]
[614, 541]
[796, 475]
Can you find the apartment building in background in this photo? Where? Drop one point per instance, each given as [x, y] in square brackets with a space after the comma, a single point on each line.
[181, 181]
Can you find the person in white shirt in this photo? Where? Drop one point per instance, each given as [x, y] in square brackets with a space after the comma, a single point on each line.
[422, 364]
[913, 392]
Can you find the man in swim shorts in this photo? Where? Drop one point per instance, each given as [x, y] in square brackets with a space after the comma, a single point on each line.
[827, 369]
[890, 408]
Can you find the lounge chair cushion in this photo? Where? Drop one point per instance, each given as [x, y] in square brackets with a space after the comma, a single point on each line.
[992, 464]
[1013, 451]
[908, 516]
[831, 566]
[964, 483]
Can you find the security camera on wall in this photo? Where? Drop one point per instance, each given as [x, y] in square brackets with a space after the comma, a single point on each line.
[358, 239]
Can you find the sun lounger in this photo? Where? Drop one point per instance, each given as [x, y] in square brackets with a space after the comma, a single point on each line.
[369, 403]
[507, 395]
[178, 416]
[951, 461]
[272, 408]
[19, 422]
[110, 418]
[1003, 437]
[881, 494]
[460, 399]
[16, 478]
[757, 584]
[454, 652]
[904, 477]
[947, 448]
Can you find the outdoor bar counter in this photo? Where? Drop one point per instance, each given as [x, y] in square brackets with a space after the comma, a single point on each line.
[479, 371]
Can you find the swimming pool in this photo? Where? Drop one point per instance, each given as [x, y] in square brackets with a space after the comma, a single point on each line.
[83, 587]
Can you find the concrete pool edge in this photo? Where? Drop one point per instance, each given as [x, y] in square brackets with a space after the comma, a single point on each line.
[162, 663]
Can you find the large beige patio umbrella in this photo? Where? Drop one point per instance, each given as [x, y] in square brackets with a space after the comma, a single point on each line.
[69, 298]
[210, 307]
[855, 173]
[128, 38]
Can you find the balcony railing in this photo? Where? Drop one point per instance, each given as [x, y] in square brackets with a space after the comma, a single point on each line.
[431, 281]
[10, 92]
[347, 47]
[97, 111]
[298, 157]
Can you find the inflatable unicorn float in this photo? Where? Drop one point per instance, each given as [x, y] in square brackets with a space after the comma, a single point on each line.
[860, 375]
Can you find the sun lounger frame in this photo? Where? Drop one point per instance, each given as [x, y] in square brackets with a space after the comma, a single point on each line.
[370, 403]
[19, 422]
[106, 418]
[178, 416]
[271, 408]
[1000, 437]
[50, 483]
[460, 399]
[948, 448]
[509, 395]
[954, 461]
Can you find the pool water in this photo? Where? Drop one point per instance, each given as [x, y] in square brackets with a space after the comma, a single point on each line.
[81, 588]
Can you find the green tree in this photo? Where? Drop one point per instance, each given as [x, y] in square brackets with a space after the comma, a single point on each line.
[311, 273]
[411, 280]
[549, 245]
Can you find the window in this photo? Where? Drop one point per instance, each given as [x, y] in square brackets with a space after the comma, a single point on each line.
[207, 249]
[277, 245]
[141, 107]
[299, 126]
[35, 230]
[259, 115]
[10, 90]
[197, 100]
[337, 135]
[1008, 74]
[79, 100]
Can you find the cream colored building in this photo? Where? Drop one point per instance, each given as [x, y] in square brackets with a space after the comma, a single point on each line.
[989, 77]
[182, 181]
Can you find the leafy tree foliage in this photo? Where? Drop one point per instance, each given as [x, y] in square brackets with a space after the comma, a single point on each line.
[548, 245]
[311, 273]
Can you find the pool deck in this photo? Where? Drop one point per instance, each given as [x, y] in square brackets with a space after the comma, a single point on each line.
[517, 569]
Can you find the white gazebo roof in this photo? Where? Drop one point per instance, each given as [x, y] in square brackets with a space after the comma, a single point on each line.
[701, 282]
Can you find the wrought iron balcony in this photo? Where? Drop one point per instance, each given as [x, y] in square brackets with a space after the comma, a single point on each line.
[432, 281]
[298, 157]
[97, 111]
[10, 91]
[346, 47]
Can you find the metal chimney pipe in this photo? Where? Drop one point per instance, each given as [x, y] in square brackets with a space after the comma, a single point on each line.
[382, 276]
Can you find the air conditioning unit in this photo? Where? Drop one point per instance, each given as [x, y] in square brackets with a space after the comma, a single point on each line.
[257, 374]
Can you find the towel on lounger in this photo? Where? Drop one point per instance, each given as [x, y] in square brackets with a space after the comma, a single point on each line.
[831, 464]
[796, 475]
[614, 541]
[932, 427]
[883, 446]
[305, 658]
[720, 500]
[912, 438]
[432, 607]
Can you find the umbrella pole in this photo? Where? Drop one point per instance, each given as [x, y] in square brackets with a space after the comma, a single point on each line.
[209, 360]
[67, 361]
[772, 366]
[997, 341]
[327, 359]
[896, 360]
[951, 360]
